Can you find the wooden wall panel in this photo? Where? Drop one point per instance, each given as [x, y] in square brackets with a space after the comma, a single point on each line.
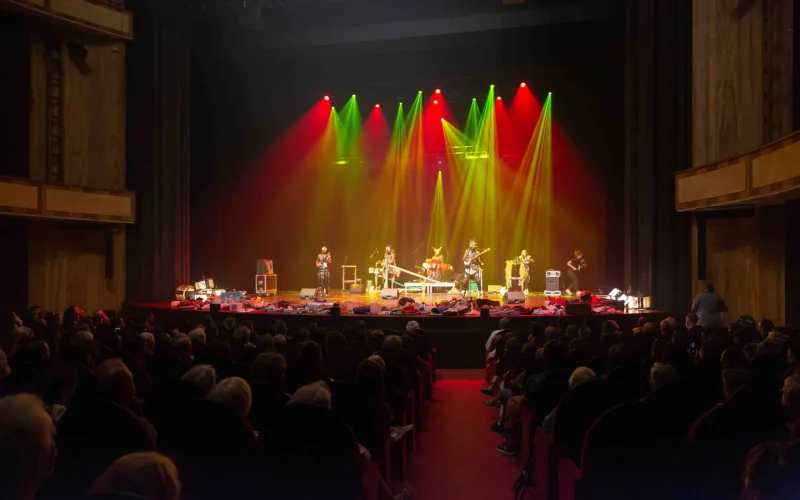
[745, 262]
[67, 266]
[742, 77]
[94, 118]
[37, 137]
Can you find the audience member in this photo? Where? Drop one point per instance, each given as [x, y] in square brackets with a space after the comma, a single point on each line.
[234, 393]
[147, 475]
[709, 307]
[27, 446]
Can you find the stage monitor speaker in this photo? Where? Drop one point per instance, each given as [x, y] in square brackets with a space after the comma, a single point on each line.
[263, 266]
[495, 289]
[357, 288]
[514, 298]
[578, 309]
[390, 293]
[308, 293]
[552, 283]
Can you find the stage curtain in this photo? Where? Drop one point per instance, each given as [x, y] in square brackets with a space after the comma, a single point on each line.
[159, 69]
[657, 143]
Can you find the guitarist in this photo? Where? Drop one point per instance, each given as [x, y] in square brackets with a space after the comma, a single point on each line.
[472, 267]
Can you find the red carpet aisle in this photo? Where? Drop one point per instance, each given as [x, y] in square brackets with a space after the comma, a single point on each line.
[456, 456]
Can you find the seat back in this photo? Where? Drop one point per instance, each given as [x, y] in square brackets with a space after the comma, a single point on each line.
[315, 455]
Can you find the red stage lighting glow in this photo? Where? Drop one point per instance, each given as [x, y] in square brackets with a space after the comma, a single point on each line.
[438, 91]
[523, 85]
[327, 98]
[436, 102]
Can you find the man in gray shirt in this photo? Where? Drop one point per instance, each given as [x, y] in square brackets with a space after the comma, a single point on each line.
[709, 306]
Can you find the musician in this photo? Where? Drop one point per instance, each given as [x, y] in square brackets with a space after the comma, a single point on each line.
[525, 264]
[472, 267]
[324, 262]
[575, 265]
[389, 259]
[434, 264]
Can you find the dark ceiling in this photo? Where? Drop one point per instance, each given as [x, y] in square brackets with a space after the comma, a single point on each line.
[292, 24]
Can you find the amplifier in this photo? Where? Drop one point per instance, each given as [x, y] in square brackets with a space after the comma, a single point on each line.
[266, 284]
[495, 289]
[552, 282]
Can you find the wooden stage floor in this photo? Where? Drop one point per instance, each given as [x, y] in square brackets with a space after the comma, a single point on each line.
[532, 300]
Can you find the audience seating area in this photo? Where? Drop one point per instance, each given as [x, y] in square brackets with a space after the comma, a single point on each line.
[126, 407]
[662, 411]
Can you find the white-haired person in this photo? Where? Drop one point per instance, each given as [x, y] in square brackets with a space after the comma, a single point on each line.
[235, 394]
[203, 376]
[27, 446]
[146, 474]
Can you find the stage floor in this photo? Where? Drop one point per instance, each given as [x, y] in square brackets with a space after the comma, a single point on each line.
[459, 339]
[532, 300]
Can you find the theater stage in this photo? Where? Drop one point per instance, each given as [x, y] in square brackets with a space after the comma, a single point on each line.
[459, 339]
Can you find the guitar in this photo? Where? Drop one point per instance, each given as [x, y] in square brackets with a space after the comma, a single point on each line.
[471, 268]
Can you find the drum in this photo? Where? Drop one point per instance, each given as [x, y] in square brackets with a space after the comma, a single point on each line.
[184, 292]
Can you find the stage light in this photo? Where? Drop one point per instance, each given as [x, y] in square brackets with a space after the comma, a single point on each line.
[499, 98]
[327, 98]
[438, 91]
[377, 105]
[523, 85]
[419, 91]
[549, 93]
[354, 96]
[435, 101]
[491, 86]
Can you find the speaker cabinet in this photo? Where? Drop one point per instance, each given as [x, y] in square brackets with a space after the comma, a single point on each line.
[308, 293]
[357, 288]
[579, 309]
[390, 293]
[552, 283]
[514, 298]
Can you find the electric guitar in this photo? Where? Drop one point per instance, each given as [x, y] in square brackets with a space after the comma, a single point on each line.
[471, 268]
